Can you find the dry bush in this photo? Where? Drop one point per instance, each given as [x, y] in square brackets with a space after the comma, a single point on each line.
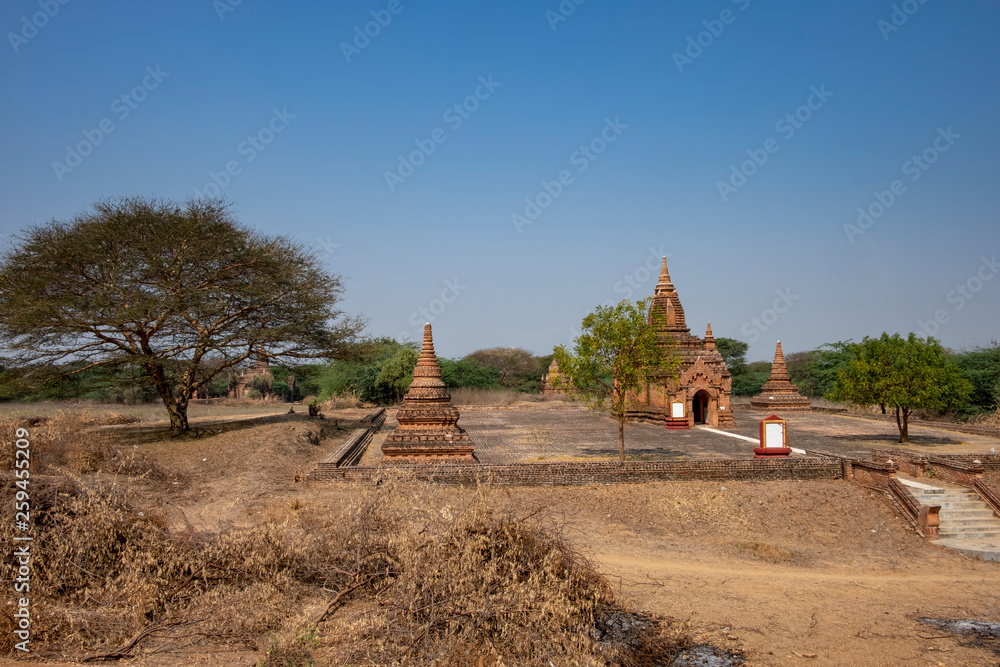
[481, 585]
[991, 420]
[393, 579]
[342, 401]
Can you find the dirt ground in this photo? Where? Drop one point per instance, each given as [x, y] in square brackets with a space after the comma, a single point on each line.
[812, 573]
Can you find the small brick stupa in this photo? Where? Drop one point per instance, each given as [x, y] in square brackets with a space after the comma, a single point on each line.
[428, 429]
[779, 394]
[549, 381]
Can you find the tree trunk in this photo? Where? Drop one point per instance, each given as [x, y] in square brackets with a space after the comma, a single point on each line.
[901, 423]
[176, 405]
[178, 416]
[621, 440]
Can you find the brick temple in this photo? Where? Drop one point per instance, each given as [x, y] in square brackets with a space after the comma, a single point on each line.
[428, 430]
[779, 393]
[700, 394]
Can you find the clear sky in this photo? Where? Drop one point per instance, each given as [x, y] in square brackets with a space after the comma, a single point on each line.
[739, 138]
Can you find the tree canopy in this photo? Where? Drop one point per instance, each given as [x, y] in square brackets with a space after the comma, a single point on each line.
[902, 373]
[181, 292]
[617, 354]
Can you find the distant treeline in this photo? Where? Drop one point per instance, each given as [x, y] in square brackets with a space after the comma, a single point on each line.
[380, 371]
[815, 371]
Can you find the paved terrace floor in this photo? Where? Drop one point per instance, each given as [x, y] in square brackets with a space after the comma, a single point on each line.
[557, 431]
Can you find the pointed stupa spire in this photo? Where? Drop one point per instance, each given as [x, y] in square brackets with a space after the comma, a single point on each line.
[428, 372]
[779, 370]
[709, 338]
[664, 282]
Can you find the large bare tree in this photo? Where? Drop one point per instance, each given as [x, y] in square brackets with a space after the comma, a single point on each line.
[182, 292]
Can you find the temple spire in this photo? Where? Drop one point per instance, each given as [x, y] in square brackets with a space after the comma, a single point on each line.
[709, 338]
[664, 282]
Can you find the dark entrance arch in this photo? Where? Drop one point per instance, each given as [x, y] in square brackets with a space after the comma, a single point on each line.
[699, 406]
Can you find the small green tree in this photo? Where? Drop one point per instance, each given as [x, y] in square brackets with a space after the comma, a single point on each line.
[901, 373]
[617, 354]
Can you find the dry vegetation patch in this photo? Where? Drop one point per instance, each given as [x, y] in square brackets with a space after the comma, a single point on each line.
[472, 584]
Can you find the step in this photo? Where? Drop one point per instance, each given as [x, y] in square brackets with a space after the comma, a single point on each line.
[969, 521]
[984, 549]
[967, 514]
[991, 536]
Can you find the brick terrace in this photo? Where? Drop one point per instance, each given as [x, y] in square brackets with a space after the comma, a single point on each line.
[554, 432]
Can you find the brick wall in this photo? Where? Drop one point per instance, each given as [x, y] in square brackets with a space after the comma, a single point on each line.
[579, 473]
[957, 468]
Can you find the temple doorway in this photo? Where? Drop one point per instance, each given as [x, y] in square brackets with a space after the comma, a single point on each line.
[699, 406]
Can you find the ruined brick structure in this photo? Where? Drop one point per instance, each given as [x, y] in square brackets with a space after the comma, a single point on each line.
[259, 369]
[548, 381]
[428, 430]
[779, 394]
[703, 384]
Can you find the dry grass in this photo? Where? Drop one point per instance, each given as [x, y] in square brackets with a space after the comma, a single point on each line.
[393, 578]
[991, 420]
[766, 552]
[493, 397]
[67, 441]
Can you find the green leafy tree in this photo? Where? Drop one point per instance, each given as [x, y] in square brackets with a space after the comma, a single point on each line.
[816, 371]
[901, 373]
[747, 378]
[617, 354]
[517, 368]
[468, 373]
[181, 292]
[981, 367]
[379, 372]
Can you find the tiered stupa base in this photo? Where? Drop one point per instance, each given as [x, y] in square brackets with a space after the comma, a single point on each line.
[780, 402]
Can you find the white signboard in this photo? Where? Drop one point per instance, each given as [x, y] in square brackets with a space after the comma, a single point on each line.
[677, 410]
[774, 435]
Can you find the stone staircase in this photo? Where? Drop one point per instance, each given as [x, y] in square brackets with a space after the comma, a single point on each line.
[968, 524]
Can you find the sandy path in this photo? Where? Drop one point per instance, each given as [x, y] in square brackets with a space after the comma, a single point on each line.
[779, 613]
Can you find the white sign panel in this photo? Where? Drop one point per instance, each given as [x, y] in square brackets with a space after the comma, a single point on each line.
[774, 435]
[677, 410]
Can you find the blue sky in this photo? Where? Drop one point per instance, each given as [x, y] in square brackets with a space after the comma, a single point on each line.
[644, 110]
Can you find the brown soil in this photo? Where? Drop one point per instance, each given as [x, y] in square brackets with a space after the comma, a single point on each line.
[783, 571]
